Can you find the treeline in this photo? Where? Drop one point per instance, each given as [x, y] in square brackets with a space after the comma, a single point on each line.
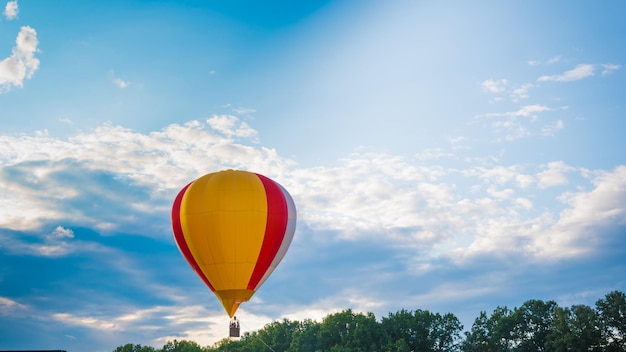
[534, 326]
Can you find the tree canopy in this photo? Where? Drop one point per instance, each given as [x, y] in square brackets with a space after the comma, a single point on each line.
[534, 326]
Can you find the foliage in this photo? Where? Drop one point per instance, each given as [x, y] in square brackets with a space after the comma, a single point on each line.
[535, 326]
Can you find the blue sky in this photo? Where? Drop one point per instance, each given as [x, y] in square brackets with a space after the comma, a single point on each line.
[449, 156]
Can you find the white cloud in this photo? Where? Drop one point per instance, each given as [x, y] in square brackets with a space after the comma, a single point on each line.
[61, 232]
[22, 63]
[494, 86]
[183, 322]
[551, 129]
[376, 197]
[524, 181]
[231, 126]
[9, 307]
[574, 231]
[530, 110]
[550, 61]
[579, 227]
[243, 111]
[11, 10]
[427, 214]
[609, 68]
[513, 125]
[155, 160]
[521, 92]
[579, 72]
[120, 82]
[554, 175]
[525, 111]
[554, 60]
[603, 204]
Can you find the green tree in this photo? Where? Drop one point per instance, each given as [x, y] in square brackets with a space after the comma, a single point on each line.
[558, 339]
[585, 333]
[226, 345]
[305, 337]
[183, 346]
[422, 330]
[447, 332]
[129, 347]
[493, 333]
[574, 329]
[349, 331]
[612, 315]
[478, 338]
[335, 329]
[533, 322]
[398, 346]
[277, 335]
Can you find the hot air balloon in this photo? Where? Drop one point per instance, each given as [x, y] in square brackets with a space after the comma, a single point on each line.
[233, 228]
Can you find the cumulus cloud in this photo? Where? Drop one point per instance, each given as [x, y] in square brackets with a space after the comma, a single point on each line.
[572, 232]
[11, 10]
[382, 198]
[116, 162]
[600, 206]
[61, 232]
[554, 174]
[22, 64]
[587, 215]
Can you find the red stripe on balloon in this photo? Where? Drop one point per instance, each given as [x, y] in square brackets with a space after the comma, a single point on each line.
[277, 217]
[179, 236]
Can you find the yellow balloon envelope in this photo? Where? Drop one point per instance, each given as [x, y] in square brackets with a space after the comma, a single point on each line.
[233, 228]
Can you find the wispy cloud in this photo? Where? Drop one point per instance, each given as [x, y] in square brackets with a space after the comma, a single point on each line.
[529, 111]
[550, 130]
[521, 92]
[10, 307]
[578, 73]
[609, 68]
[550, 61]
[121, 83]
[231, 126]
[494, 85]
[554, 59]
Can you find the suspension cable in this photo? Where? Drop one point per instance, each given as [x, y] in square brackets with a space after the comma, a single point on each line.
[257, 336]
